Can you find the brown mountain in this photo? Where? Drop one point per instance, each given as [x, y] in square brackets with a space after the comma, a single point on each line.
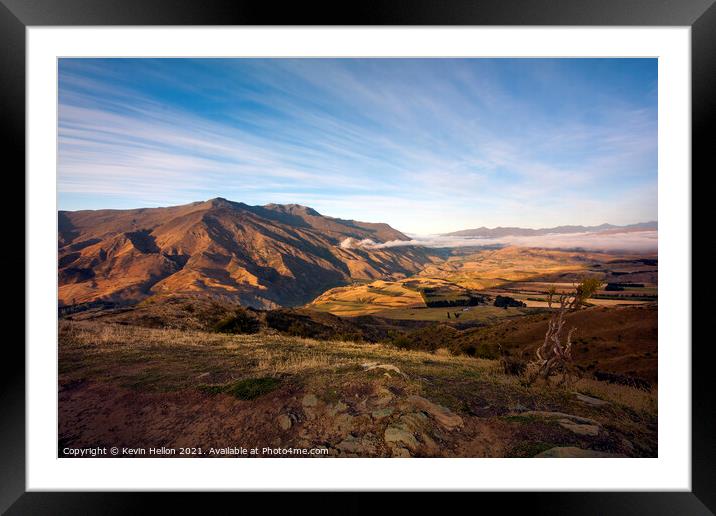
[261, 256]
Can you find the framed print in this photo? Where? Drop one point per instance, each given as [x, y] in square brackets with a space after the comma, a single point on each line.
[419, 249]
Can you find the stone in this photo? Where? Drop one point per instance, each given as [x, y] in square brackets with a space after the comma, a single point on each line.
[310, 400]
[383, 400]
[401, 453]
[344, 423]
[574, 452]
[560, 415]
[337, 408]
[381, 413]
[595, 402]
[349, 445]
[369, 366]
[579, 429]
[360, 447]
[398, 434]
[416, 422]
[443, 415]
[429, 444]
[284, 422]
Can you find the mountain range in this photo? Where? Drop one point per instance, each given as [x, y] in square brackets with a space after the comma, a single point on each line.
[483, 232]
[261, 256]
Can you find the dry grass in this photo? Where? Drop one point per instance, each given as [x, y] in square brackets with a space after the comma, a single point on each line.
[176, 358]
[367, 298]
[637, 399]
[268, 373]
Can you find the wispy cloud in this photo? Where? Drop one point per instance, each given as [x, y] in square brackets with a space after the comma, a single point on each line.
[428, 146]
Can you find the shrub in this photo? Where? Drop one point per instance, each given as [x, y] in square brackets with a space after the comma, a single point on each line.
[242, 321]
[513, 366]
[247, 389]
[481, 350]
[505, 301]
[401, 342]
[252, 388]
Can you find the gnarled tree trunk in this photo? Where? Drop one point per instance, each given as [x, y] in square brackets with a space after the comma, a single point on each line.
[554, 356]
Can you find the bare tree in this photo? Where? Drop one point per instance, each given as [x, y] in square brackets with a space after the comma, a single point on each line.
[554, 356]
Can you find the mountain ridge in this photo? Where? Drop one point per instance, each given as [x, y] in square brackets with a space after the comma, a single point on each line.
[262, 256]
[485, 232]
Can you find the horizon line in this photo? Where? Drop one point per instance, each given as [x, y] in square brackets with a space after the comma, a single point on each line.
[220, 198]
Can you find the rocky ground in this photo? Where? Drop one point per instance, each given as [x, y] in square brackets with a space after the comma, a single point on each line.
[141, 387]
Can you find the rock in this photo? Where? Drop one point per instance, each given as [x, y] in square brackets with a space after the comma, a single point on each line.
[398, 434]
[368, 366]
[343, 423]
[310, 400]
[560, 415]
[596, 402]
[407, 428]
[579, 428]
[429, 444]
[577, 424]
[381, 413]
[338, 407]
[360, 447]
[442, 415]
[284, 421]
[401, 453]
[381, 402]
[310, 405]
[349, 445]
[574, 452]
[415, 422]
[380, 398]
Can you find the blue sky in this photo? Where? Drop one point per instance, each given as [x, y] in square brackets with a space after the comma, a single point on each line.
[426, 145]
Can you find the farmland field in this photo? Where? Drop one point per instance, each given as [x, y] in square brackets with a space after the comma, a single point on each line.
[526, 275]
[481, 314]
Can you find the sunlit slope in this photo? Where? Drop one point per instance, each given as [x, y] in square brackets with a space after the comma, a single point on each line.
[367, 298]
[489, 268]
[261, 256]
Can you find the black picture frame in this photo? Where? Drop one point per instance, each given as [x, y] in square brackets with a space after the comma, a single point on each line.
[17, 15]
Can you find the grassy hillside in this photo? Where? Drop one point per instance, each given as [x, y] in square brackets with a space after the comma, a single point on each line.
[361, 299]
[122, 385]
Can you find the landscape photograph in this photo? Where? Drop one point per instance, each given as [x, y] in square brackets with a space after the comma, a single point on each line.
[357, 258]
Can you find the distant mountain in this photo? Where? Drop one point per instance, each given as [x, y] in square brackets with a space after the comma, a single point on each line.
[498, 232]
[261, 256]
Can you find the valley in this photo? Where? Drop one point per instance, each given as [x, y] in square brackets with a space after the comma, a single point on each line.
[263, 323]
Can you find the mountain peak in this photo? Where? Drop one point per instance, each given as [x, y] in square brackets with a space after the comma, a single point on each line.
[220, 202]
[293, 209]
[262, 256]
